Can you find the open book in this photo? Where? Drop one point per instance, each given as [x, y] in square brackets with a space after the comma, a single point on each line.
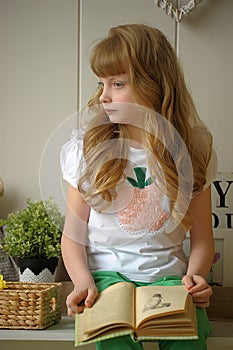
[150, 312]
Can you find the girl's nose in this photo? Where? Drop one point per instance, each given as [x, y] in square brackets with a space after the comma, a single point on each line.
[105, 97]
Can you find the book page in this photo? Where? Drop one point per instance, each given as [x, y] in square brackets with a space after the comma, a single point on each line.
[114, 306]
[172, 325]
[154, 301]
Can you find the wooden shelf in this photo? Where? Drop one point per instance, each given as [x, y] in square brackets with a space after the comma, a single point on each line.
[64, 331]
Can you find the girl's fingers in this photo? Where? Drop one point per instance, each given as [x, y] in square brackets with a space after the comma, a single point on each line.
[199, 288]
[91, 296]
[188, 281]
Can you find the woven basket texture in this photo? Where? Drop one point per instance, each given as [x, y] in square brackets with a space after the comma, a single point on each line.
[30, 305]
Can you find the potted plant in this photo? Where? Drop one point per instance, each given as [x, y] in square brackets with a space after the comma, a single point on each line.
[33, 236]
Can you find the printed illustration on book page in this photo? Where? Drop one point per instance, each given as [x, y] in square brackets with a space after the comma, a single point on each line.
[157, 301]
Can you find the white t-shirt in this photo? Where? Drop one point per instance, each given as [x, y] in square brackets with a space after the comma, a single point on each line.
[130, 237]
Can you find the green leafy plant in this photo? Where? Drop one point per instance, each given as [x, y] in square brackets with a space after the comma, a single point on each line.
[34, 232]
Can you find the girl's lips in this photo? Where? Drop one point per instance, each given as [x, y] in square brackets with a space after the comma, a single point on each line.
[109, 111]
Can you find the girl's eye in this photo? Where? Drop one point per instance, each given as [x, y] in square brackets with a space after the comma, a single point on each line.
[100, 84]
[118, 84]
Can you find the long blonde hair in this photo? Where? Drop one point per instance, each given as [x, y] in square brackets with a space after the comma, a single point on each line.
[157, 82]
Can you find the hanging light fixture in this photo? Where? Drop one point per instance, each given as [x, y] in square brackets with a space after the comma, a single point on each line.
[177, 8]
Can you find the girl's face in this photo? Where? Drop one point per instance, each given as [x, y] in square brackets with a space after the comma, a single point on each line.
[117, 97]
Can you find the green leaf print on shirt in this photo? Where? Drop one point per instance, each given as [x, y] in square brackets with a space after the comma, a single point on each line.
[141, 181]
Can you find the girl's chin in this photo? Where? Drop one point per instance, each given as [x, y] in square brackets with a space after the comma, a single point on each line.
[116, 120]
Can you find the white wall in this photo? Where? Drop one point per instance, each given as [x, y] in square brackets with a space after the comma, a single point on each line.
[38, 91]
[206, 50]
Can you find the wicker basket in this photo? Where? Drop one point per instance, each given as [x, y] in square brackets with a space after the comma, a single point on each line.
[30, 305]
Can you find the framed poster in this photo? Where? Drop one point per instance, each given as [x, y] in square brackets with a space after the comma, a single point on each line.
[221, 270]
[222, 201]
[223, 262]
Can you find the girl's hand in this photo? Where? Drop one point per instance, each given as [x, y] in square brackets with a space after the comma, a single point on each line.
[199, 288]
[82, 296]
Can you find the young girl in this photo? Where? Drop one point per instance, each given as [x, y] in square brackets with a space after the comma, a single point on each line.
[139, 175]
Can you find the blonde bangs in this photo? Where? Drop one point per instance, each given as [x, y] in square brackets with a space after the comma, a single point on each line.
[109, 58]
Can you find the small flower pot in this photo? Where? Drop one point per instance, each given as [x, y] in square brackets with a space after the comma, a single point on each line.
[37, 270]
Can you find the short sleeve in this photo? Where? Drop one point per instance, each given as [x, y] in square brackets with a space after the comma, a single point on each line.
[211, 169]
[71, 158]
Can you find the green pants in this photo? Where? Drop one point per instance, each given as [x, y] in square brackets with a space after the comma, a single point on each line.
[104, 279]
